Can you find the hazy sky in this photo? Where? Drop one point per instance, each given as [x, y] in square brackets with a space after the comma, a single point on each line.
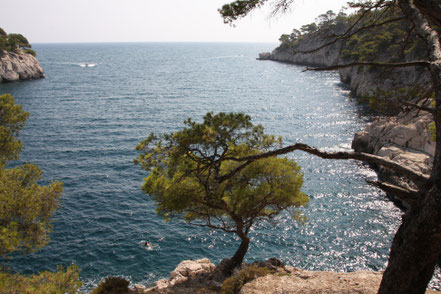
[149, 20]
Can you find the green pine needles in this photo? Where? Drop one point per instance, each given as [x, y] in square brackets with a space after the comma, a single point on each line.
[26, 210]
[15, 43]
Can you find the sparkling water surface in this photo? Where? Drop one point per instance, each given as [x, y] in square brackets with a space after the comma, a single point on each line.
[99, 100]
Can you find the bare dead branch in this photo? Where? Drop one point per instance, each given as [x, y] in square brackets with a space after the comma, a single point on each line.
[408, 195]
[213, 227]
[423, 63]
[281, 7]
[413, 105]
[406, 41]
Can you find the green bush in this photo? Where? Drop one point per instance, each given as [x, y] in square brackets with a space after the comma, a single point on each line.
[14, 42]
[233, 284]
[112, 285]
[30, 51]
[60, 282]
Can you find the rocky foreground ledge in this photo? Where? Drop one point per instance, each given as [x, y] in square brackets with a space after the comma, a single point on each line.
[19, 66]
[201, 276]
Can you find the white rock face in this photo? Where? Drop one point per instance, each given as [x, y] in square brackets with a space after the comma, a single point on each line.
[185, 270]
[323, 57]
[19, 66]
[404, 139]
[362, 80]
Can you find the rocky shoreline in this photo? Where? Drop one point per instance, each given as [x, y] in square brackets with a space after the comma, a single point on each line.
[403, 138]
[199, 276]
[19, 66]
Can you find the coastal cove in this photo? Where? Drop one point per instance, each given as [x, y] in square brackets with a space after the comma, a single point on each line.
[86, 120]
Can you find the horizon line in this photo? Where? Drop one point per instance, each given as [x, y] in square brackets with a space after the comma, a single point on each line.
[140, 42]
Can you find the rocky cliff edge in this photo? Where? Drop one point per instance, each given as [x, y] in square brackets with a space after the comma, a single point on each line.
[196, 277]
[19, 66]
[403, 138]
[361, 80]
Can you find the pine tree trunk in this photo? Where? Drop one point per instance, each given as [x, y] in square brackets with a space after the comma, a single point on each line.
[236, 260]
[416, 248]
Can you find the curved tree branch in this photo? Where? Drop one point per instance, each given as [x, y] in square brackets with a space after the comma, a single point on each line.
[408, 195]
[418, 178]
[414, 105]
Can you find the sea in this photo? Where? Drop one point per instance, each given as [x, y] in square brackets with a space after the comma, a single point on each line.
[99, 100]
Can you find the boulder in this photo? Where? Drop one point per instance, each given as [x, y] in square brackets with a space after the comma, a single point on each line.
[19, 66]
[264, 56]
[404, 139]
[186, 270]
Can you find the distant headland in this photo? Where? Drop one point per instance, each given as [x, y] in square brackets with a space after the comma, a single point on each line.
[17, 60]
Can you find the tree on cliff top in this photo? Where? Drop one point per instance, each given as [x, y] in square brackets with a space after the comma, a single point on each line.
[26, 209]
[15, 42]
[185, 167]
[416, 247]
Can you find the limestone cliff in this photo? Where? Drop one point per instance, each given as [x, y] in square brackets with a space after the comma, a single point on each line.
[403, 138]
[361, 80]
[324, 57]
[19, 66]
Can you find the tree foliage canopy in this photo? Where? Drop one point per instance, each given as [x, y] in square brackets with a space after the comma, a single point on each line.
[12, 120]
[26, 210]
[27, 207]
[63, 281]
[187, 167]
[15, 42]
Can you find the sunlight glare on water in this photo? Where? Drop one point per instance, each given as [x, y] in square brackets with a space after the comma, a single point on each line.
[86, 121]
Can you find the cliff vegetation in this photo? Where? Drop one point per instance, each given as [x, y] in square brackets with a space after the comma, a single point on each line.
[17, 59]
[15, 43]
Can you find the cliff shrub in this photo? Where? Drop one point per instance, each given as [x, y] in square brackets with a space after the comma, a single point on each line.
[234, 284]
[376, 43]
[14, 42]
[112, 285]
[394, 41]
[30, 51]
[391, 102]
[325, 23]
[59, 282]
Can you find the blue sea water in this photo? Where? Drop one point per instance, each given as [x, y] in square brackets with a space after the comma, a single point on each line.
[86, 121]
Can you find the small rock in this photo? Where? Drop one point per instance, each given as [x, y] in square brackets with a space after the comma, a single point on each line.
[161, 284]
[264, 56]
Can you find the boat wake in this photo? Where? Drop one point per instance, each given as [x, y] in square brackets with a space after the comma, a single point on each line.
[87, 64]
